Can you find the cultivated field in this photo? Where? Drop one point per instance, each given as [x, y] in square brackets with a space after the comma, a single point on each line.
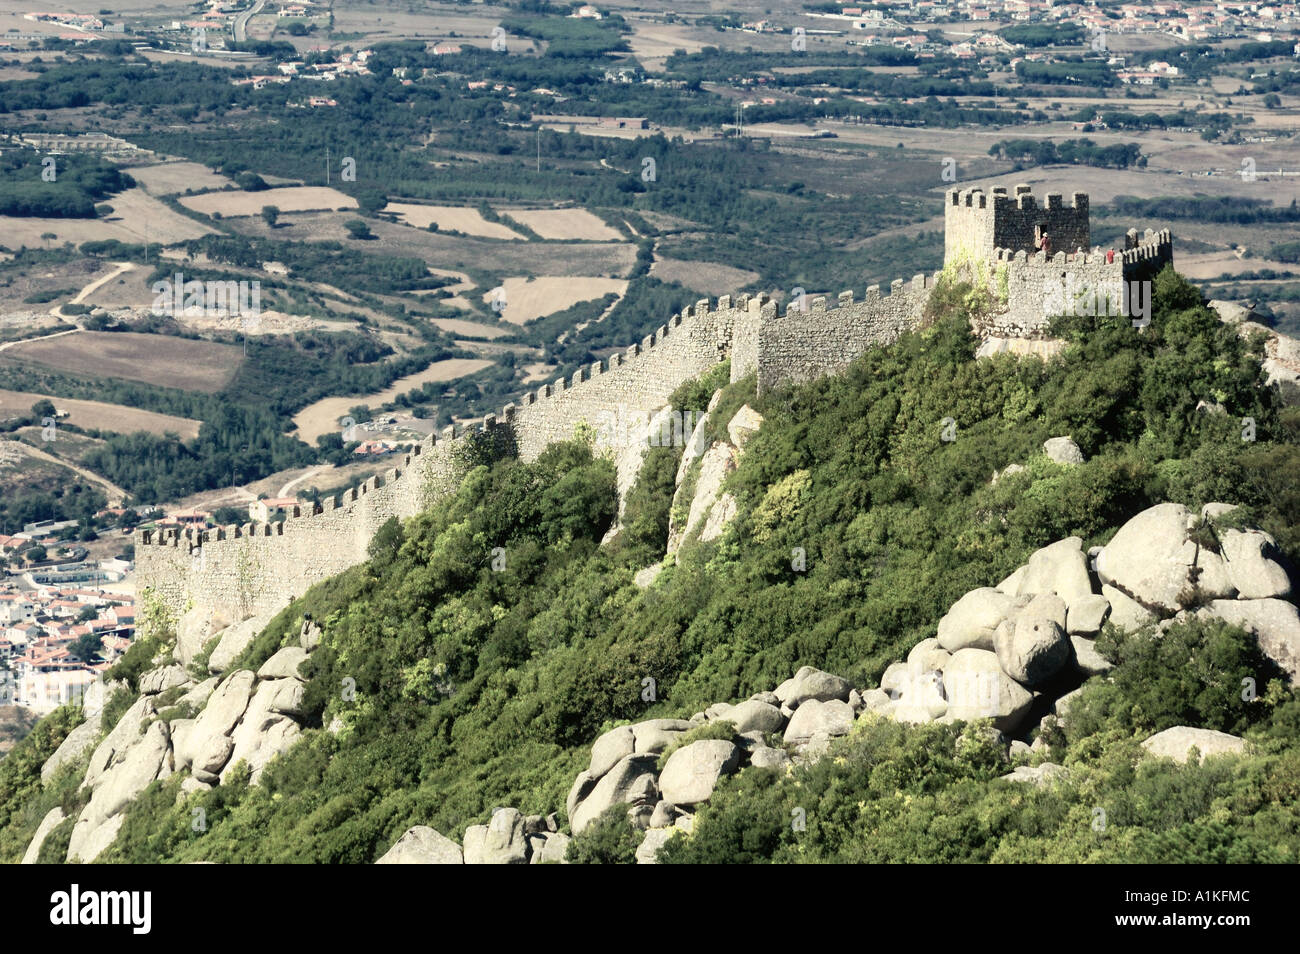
[472, 329]
[708, 278]
[564, 224]
[323, 416]
[457, 252]
[434, 21]
[289, 199]
[527, 299]
[1203, 265]
[130, 289]
[652, 43]
[155, 359]
[538, 371]
[136, 214]
[99, 416]
[170, 178]
[450, 218]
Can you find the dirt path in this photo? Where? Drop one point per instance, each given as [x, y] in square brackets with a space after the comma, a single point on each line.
[311, 472]
[57, 334]
[116, 495]
[119, 268]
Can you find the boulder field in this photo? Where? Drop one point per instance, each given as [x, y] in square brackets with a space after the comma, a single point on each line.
[180, 724]
[1014, 653]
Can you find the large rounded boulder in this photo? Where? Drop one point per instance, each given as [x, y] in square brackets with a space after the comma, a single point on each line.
[1150, 559]
[692, 772]
[977, 688]
[973, 618]
[1033, 648]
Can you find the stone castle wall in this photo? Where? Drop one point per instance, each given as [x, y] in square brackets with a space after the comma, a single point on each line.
[256, 569]
[803, 345]
[1038, 288]
[978, 223]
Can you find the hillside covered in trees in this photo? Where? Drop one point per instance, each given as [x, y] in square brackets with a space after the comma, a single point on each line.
[481, 682]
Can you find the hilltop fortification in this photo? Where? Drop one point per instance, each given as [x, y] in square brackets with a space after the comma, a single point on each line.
[236, 572]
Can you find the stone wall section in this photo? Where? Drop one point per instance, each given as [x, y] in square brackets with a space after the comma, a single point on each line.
[801, 346]
[256, 569]
[977, 223]
[1038, 289]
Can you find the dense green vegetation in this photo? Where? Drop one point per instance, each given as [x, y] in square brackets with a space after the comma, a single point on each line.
[1083, 152]
[1089, 73]
[1209, 123]
[56, 186]
[1044, 34]
[1205, 208]
[478, 687]
[1288, 252]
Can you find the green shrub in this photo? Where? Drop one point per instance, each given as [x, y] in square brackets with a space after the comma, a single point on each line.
[608, 840]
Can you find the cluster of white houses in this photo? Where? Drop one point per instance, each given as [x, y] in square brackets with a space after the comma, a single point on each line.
[41, 634]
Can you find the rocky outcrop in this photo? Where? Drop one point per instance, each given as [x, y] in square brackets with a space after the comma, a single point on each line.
[1040, 776]
[501, 841]
[630, 781]
[1156, 560]
[510, 838]
[1275, 623]
[709, 509]
[84, 737]
[1062, 450]
[1177, 743]
[234, 640]
[163, 678]
[692, 772]
[997, 647]
[147, 759]
[242, 718]
[1281, 352]
[53, 818]
[422, 845]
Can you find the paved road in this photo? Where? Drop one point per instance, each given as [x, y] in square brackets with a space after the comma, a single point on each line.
[241, 21]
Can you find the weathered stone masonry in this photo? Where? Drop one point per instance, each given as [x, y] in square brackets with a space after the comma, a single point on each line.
[236, 572]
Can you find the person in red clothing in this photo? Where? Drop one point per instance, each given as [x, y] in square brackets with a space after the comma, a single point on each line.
[1110, 257]
[1044, 244]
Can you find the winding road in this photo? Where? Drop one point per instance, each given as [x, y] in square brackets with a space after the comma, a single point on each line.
[241, 21]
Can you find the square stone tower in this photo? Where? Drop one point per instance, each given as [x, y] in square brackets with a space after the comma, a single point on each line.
[976, 223]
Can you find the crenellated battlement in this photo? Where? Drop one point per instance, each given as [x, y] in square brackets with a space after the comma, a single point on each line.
[249, 569]
[977, 223]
